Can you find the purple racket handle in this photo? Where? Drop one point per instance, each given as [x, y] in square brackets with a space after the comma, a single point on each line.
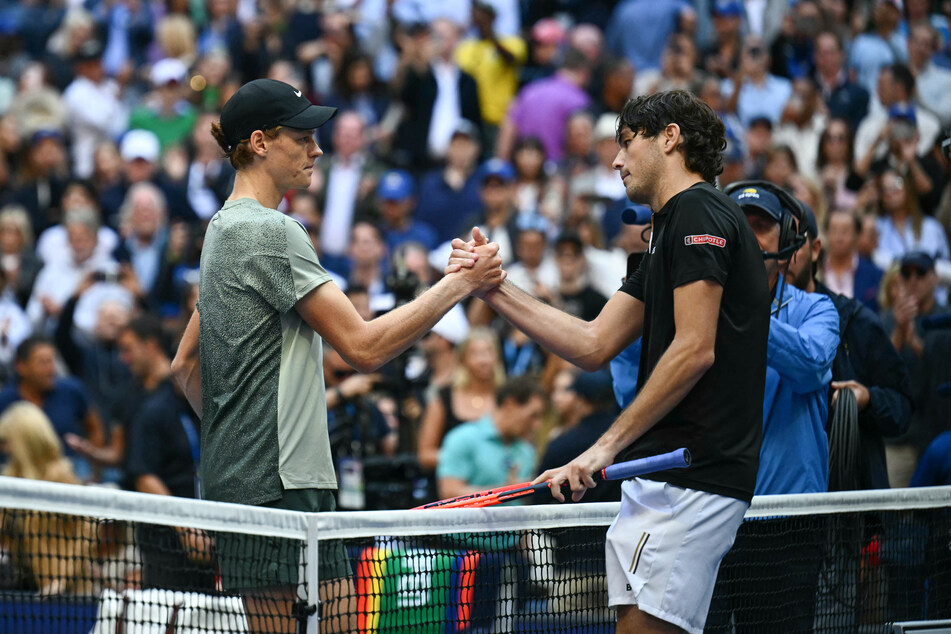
[677, 459]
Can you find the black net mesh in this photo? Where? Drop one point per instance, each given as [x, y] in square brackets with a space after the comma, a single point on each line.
[838, 572]
[67, 573]
[849, 572]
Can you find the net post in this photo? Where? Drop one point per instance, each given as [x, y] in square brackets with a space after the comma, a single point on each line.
[311, 576]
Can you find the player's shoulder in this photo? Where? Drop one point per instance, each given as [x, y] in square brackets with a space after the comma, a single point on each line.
[705, 203]
[703, 195]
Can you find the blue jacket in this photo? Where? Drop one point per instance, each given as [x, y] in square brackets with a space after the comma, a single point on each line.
[934, 466]
[868, 278]
[803, 339]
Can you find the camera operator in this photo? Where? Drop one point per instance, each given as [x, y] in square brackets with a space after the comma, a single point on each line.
[356, 426]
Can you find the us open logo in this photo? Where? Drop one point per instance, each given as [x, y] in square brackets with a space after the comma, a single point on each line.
[705, 239]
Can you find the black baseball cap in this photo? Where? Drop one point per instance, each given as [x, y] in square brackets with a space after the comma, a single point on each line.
[263, 104]
[920, 260]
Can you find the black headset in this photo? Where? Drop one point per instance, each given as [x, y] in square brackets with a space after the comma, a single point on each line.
[790, 237]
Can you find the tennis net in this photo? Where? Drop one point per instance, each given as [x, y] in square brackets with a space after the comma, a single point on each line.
[83, 559]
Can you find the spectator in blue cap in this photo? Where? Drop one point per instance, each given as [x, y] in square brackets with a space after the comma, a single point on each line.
[722, 57]
[498, 216]
[891, 129]
[454, 186]
[397, 195]
[925, 353]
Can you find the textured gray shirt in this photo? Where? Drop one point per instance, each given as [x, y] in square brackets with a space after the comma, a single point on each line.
[264, 418]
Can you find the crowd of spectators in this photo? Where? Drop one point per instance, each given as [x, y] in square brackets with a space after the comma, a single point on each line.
[452, 113]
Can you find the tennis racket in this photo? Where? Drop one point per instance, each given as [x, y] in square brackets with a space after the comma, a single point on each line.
[677, 459]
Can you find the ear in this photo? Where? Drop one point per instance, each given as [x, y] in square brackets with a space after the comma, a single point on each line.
[672, 138]
[816, 249]
[259, 143]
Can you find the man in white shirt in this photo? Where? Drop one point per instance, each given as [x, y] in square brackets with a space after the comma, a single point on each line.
[94, 110]
[933, 82]
[349, 183]
[896, 90]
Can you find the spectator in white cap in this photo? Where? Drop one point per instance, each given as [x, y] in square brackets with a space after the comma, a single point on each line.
[439, 347]
[165, 110]
[140, 151]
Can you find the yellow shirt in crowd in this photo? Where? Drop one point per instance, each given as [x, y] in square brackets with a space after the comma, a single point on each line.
[497, 80]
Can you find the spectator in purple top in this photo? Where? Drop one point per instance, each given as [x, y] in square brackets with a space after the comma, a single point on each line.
[543, 107]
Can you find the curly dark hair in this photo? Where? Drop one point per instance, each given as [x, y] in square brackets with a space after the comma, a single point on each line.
[704, 137]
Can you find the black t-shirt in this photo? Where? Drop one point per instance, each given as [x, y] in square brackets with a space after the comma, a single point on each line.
[586, 304]
[700, 234]
[159, 442]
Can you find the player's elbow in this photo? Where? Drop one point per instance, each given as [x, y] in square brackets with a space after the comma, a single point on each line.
[181, 369]
[698, 357]
[362, 359]
[591, 363]
[703, 361]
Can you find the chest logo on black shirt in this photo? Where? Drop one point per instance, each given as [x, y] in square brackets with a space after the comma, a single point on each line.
[705, 239]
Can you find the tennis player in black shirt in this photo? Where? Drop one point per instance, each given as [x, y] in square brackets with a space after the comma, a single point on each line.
[701, 301]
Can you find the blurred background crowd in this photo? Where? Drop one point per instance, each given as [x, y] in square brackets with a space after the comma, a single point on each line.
[452, 113]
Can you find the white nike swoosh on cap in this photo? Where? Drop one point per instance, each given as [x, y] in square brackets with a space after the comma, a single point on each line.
[297, 92]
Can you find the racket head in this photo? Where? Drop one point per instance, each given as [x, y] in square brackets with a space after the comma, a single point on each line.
[489, 497]
[459, 500]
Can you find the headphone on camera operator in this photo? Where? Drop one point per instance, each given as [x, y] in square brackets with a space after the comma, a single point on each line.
[791, 238]
[792, 232]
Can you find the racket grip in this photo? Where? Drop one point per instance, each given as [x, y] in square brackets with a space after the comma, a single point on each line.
[677, 459]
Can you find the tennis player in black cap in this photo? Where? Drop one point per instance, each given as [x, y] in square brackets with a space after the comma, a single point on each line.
[251, 364]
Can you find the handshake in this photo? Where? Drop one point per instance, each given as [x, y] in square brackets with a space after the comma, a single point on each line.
[477, 262]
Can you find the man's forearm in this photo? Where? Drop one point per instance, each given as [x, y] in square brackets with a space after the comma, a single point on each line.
[392, 333]
[569, 337]
[186, 366]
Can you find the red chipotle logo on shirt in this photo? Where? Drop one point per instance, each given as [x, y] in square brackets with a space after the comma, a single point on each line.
[705, 239]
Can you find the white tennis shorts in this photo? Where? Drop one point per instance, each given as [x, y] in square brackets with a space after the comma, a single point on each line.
[664, 549]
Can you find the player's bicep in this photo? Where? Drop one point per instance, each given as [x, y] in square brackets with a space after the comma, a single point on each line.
[696, 311]
[619, 323]
[329, 312]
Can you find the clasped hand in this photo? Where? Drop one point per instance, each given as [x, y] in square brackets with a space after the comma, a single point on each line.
[479, 259]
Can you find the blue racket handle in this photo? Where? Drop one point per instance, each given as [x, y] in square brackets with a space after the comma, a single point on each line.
[677, 459]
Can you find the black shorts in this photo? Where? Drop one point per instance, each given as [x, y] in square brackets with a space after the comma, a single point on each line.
[257, 561]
